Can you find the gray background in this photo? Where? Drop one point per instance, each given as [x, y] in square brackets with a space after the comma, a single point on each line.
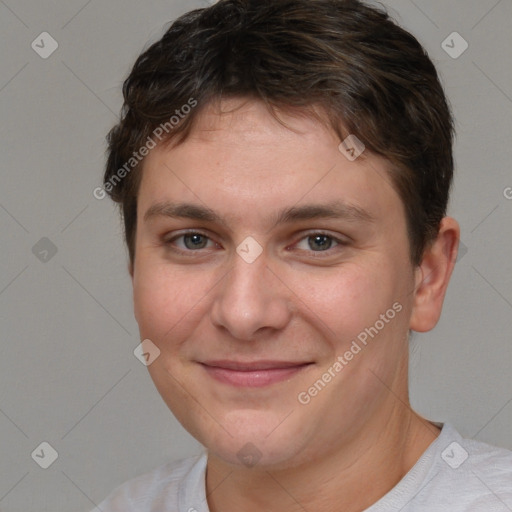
[68, 375]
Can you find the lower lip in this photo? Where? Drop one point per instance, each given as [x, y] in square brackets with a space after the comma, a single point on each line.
[253, 379]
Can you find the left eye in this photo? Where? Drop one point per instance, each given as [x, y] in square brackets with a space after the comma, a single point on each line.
[317, 242]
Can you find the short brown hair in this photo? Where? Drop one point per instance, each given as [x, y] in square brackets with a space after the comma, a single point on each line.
[372, 78]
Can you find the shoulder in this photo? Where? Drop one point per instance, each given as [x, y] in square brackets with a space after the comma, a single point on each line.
[475, 474]
[455, 474]
[155, 489]
[490, 462]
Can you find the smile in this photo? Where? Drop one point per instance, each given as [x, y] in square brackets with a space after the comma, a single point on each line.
[254, 374]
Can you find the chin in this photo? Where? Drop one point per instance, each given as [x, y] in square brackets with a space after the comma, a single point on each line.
[256, 439]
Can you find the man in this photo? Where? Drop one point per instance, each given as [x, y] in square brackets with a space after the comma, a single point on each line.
[283, 170]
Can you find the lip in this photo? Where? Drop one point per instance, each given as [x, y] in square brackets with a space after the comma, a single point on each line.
[254, 373]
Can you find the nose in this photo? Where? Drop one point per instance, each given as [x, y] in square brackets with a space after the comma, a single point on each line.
[251, 300]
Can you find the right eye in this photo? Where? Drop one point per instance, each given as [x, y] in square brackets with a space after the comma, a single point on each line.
[192, 241]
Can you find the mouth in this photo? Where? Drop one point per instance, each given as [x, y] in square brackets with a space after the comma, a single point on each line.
[253, 374]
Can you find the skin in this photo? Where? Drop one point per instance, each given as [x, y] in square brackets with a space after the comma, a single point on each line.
[294, 302]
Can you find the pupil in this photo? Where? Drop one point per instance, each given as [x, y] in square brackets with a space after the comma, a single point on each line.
[322, 242]
[194, 241]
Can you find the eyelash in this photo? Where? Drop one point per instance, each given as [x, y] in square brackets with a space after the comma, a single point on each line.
[317, 254]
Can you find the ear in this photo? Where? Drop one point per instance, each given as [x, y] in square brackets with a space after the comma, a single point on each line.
[432, 276]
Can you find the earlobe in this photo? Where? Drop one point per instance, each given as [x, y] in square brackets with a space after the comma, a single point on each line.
[433, 276]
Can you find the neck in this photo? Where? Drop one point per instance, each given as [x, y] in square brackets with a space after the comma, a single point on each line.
[351, 478]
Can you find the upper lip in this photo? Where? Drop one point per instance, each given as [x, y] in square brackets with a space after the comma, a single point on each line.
[254, 365]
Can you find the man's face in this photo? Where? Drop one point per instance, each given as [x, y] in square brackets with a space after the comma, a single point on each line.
[217, 308]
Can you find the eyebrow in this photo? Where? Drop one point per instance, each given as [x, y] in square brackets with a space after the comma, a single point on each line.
[333, 210]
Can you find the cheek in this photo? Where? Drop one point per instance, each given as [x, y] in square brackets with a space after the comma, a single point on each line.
[349, 299]
[155, 296]
[167, 299]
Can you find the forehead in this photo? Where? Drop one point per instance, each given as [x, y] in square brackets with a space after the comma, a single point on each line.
[246, 120]
[238, 157]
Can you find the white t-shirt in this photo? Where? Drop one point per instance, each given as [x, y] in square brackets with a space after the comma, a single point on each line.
[453, 474]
